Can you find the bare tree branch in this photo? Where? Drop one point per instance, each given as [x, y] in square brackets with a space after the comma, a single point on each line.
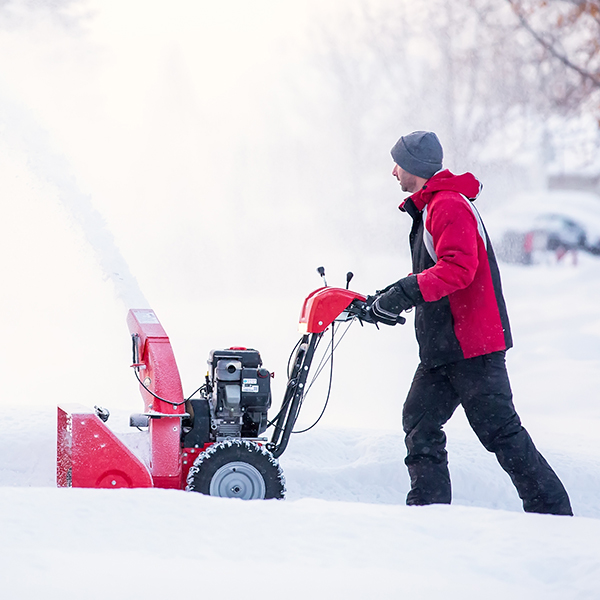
[595, 80]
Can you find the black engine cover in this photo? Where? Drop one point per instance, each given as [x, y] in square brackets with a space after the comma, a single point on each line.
[253, 382]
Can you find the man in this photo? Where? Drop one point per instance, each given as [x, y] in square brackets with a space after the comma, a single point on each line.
[463, 333]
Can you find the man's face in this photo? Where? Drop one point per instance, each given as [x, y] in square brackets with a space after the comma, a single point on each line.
[408, 182]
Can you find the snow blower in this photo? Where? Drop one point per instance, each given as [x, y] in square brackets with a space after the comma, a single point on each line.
[210, 442]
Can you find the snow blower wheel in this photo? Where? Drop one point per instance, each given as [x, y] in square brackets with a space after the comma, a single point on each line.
[237, 469]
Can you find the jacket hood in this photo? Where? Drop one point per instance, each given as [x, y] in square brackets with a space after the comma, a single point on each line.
[445, 181]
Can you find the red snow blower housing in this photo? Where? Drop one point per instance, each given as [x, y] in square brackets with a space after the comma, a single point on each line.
[210, 443]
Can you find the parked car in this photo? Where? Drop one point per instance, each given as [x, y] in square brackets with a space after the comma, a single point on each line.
[549, 233]
[548, 227]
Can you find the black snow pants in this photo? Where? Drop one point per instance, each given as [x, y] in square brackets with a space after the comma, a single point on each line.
[481, 385]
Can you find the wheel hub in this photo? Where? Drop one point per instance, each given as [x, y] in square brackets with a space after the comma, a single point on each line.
[238, 480]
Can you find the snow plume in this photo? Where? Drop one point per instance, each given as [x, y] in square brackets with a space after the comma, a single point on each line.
[19, 128]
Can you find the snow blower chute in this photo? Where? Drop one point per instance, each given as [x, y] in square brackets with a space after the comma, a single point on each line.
[210, 443]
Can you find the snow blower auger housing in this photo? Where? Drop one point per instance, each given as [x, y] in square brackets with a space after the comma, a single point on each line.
[210, 443]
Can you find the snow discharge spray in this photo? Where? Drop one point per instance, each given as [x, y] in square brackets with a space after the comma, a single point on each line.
[21, 128]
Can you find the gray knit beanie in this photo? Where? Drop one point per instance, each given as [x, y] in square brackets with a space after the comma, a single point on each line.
[419, 153]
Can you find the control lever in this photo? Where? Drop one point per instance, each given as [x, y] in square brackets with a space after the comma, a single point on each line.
[359, 309]
[321, 272]
[349, 276]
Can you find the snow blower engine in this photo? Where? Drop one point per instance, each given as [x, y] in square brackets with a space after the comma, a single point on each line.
[234, 400]
[211, 442]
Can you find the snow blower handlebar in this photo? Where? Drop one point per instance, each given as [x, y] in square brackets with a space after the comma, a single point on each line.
[326, 305]
[319, 311]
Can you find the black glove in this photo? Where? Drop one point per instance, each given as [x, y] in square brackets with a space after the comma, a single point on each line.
[398, 297]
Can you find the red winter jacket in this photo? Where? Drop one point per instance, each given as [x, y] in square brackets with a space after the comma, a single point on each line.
[464, 314]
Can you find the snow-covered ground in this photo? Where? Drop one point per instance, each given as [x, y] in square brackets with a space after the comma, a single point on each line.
[343, 531]
[117, 177]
